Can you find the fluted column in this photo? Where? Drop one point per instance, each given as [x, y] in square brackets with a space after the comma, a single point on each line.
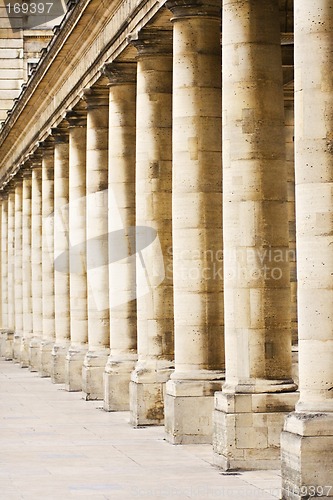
[11, 267]
[18, 291]
[97, 242]
[4, 272]
[77, 235]
[48, 338]
[153, 226]
[121, 230]
[258, 390]
[61, 253]
[36, 260]
[26, 266]
[197, 222]
[307, 440]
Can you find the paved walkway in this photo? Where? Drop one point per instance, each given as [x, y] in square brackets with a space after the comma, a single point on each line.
[55, 445]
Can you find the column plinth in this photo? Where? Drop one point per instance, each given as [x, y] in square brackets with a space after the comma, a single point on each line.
[196, 222]
[97, 242]
[122, 290]
[77, 120]
[307, 438]
[259, 390]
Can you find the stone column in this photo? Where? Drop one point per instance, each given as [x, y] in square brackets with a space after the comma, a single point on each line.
[61, 253]
[48, 339]
[197, 222]
[121, 230]
[97, 242]
[36, 261]
[153, 226]
[77, 233]
[10, 274]
[18, 292]
[307, 440]
[258, 390]
[4, 272]
[26, 267]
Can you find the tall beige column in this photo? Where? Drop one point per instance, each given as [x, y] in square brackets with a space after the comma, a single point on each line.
[48, 338]
[11, 267]
[307, 440]
[196, 222]
[153, 227]
[77, 234]
[97, 242]
[121, 230]
[258, 390]
[61, 253]
[36, 261]
[18, 292]
[26, 266]
[4, 272]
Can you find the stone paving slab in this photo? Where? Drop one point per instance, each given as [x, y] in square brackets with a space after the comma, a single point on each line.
[55, 445]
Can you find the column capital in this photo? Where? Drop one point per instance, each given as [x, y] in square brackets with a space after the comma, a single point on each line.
[47, 146]
[151, 42]
[61, 133]
[76, 117]
[194, 8]
[120, 73]
[96, 96]
[35, 160]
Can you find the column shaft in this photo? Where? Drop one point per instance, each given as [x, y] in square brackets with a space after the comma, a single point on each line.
[77, 234]
[196, 222]
[10, 275]
[26, 267]
[36, 262]
[61, 254]
[18, 292]
[97, 243]
[121, 229]
[4, 273]
[48, 340]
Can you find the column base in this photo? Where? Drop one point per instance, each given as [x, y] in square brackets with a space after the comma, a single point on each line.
[306, 455]
[7, 344]
[189, 407]
[73, 367]
[92, 374]
[247, 429]
[58, 363]
[17, 347]
[147, 392]
[25, 351]
[117, 378]
[45, 354]
[34, 354]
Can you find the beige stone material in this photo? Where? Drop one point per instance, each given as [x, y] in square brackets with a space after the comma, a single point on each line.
[78, 262]
[48, 337]
[153, 210]
[307, 440]
[255, 234]
[97, 242]
[18, 291]
[5, 337]
[122, 289]
[26, 267]
[10, 274]
[36, 261]
[61, 253]
[196, 221]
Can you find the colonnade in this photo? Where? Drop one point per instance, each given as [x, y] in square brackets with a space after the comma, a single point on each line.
[145, 243]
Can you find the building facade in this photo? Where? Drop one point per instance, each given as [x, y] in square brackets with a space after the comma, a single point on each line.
[149, 172]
